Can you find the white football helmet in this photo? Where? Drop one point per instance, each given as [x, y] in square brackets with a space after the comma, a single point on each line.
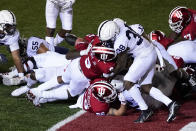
[108, 30]
[104, 91]
[7, 22]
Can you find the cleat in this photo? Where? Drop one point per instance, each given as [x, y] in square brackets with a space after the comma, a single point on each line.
[10, 74]
[13, 81]
[144, 116]
[35, 96]
[20, 91]
[173, 109]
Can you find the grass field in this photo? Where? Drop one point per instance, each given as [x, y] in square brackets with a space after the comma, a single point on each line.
[17, 114]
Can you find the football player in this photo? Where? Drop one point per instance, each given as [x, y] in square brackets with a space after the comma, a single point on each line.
[179, 71]
[136, 44]
[9, 36]
[64, 9]
[182, 23]
[98, 61]
[95, 99]
[30, 47]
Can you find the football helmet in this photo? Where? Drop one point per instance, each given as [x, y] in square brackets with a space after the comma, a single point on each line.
[103, 53]
[156, 35]
[103, 91]
[7, 22]
[108, 30]
[179, 17]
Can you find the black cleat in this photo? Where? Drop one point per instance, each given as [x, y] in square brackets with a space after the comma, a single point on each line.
[173, 109]
[145, 114]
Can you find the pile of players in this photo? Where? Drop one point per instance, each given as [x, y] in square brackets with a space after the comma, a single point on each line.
[121, 62]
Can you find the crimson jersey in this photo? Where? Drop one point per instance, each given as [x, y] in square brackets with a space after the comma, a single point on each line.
[166, 42]
[91, 66]
[93, 105]
[189, 32]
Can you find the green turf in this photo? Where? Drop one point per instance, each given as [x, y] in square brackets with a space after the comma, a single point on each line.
[17, 114]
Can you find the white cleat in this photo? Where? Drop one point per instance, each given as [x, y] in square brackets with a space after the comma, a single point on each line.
[34, 95]
[20, 91]
[10, 74]
[13, 81]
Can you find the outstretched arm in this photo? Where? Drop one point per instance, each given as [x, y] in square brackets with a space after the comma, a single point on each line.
[17, 61]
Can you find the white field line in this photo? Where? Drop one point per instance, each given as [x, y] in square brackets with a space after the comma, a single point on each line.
[189, 127]
[67, 120]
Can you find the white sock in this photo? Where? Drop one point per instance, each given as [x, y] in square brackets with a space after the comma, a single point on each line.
[58, 39]
[135, 93]
[60, 93]
[158, 95]
[28, 66]
[50, 40]
[29, 81]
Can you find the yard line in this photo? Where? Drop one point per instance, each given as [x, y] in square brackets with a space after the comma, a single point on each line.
[67, 120]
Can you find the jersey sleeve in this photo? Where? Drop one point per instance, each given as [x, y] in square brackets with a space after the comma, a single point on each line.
[99, 108]
[83, 44]
[139, 29]
[13, 42]
[106, 67]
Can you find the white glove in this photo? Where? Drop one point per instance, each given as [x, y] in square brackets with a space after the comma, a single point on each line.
[108, 75]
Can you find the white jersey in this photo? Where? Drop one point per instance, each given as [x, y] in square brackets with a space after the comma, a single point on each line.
[136, 44]
[34, 44]
[11, 41]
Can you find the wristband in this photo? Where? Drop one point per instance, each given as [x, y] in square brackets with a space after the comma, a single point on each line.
[21, 74]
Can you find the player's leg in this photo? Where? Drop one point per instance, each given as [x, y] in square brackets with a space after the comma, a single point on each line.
[51, 13]
[66, 20]
[158, 95]
[185, 49]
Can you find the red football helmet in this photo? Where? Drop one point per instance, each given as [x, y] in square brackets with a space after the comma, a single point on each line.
[179, 17]
[103, 53]
[156, 35]
[103, 91]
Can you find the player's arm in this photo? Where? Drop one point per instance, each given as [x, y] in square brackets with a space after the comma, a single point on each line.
[175, 37]
[42, 49]
[123, 108]
[82, 47]
[121, 63]
[17, 60]
[118, 112]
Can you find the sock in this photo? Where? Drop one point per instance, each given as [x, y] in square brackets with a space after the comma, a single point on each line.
[50, 40]
[135, 93]
[60, 93]
[28, 66]
[29, 81]
[158, 95]
[58, 39]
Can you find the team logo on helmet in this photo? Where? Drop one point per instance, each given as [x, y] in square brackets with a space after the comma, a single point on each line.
[103, 91]
[179, 17]
[103, 53]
